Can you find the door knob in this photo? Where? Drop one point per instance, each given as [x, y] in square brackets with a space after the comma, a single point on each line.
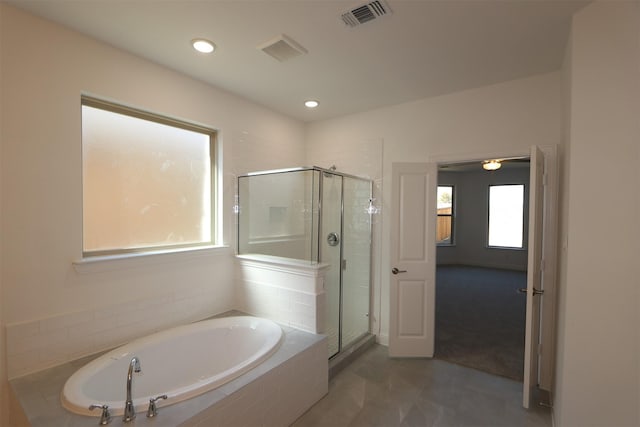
[394, 270]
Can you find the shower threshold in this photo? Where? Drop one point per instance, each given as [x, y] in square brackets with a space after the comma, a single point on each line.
[348, 355]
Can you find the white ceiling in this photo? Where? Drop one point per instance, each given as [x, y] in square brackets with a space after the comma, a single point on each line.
[424, 48]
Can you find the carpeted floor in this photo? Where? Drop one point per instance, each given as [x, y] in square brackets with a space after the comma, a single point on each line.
[480, 319]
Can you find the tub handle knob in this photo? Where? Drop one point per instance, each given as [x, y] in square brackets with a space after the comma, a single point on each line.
[105, 417]
[152, 411]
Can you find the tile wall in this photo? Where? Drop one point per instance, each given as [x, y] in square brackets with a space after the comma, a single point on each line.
[43, 343]
[286, 291]
[277, 398]
[39, 344]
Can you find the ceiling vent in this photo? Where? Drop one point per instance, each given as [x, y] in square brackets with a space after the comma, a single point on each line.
[365, 13]
[282, 48]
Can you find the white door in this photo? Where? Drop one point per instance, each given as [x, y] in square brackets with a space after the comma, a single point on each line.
[412, 285]
[534, 276]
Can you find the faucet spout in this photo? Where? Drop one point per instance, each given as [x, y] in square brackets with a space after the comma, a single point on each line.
[129, 409]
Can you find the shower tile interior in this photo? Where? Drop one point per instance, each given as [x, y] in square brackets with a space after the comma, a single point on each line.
[378, 391]
[348, 337]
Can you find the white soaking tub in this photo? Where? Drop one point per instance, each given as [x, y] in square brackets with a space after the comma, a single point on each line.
[181, 362]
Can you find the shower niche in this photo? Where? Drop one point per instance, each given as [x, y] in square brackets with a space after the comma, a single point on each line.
[319, 218]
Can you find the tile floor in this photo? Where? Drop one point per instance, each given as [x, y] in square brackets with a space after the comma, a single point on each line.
[375, 390]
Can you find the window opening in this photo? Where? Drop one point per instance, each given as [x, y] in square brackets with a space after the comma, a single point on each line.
[147, 181]
[445, 207]
[506, 216]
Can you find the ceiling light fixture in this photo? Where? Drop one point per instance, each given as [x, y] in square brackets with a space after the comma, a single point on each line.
[311, 103]
[491, 165]
[203, 45]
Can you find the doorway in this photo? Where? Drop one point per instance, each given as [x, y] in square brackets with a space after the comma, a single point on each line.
[481, 259]
[412, 275]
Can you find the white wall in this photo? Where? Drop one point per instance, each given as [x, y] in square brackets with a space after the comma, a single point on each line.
[4, 398]
[49, 307]
[499, 118]
[563, 220]
[598, 352]
[471, 209]
[4, 391]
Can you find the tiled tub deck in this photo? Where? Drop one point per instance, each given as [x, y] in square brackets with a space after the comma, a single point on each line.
[274, 393]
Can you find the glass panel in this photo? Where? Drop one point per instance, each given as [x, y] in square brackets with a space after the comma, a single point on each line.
[506, 215]
[144, 184]
[357, 255]
[330, 254]
[276, 214]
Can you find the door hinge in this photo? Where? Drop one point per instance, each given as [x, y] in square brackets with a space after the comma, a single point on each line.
[344, 264]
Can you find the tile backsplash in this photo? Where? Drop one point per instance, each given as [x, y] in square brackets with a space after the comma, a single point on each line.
[43, 343]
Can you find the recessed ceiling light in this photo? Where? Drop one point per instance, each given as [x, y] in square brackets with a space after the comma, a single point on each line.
[203, 45]
[311, 103]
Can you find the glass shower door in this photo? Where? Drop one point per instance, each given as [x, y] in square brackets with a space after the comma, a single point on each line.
[356, 254]
[330, 253]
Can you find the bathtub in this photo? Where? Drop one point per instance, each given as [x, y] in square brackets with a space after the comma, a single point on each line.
[181, 362]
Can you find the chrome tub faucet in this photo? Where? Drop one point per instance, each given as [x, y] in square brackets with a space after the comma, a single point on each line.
[129, 409]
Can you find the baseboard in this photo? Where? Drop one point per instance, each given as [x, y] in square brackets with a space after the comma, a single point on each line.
[383, 339]
[495, 266]
[552, 408]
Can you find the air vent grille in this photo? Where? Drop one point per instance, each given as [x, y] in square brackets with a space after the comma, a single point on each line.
[365, 13]
[282, 48]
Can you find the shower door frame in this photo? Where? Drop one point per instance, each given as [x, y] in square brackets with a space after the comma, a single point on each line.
[342, 259]
[320, 232]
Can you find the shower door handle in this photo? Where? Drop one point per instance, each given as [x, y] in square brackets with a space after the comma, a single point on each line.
[333, 239]
[394, 270]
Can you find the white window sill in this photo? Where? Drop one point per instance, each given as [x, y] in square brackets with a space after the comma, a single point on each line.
[506, 248]
[99, 264]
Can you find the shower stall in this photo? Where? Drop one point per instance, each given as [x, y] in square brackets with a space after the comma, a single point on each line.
[315, 216]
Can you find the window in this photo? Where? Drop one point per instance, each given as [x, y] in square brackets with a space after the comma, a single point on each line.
[506, 216]
[146, 181]
[444, 228]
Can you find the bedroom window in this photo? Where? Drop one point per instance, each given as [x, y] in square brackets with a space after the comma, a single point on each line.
[506, 216]
[445, 207]
[147, 181]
